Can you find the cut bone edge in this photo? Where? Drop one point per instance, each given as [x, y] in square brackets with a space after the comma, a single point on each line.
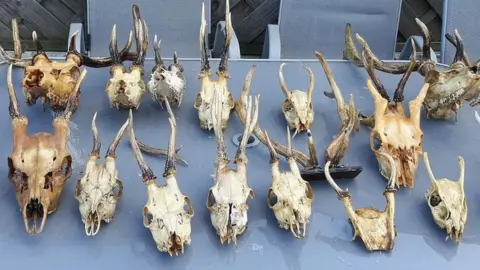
[337, 172]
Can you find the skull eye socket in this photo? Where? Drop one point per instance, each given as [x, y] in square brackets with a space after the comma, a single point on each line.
[147, 217]
[187, 207]
[48, 181]
[210, 199]
[435, 200]
[18, 177]
[309, 191]
[272, 198]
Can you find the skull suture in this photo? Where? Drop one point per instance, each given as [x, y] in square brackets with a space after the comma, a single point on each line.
[39, 164]
[203, 99]
[400, 136]
[166, 82]
[168, 212]
[95, 191]
[297, 107]
[448, 90]
[51, 81]
[446, 199]
[227, 199]
[289, 195]
[346, 112]
[375, 227]
[125, 89]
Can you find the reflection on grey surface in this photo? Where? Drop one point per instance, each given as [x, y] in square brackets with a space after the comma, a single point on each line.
[125, 243]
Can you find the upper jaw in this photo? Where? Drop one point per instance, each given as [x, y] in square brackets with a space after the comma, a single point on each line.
[92, 223]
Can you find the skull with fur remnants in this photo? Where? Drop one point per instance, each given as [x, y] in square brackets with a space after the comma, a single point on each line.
[52, 81]
[203, 99]
[448, 89]
[39, 164]
[168, 212]
[125, 89]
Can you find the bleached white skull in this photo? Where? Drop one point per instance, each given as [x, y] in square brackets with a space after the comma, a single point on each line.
[447, 201]
[95, 191]
[289, 195]
[167, 213]
[204, 98]
[298, 107]
[227, 199]
[166, 82]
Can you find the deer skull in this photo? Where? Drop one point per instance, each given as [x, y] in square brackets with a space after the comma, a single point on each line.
[125, 89]
[297, 107]
[95, 190]
[39, 164]
[52, 81]
[446, 199]
[166, 82]
[168, 212]
[400, 136]
[289, 195]
[203, 99]
[375, 227]
[227, 199]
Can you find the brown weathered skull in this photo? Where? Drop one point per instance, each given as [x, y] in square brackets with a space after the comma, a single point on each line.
[297, 107]
[95, 191]
[227, 198]
[448, 90]
[52, 81]
[398, 135]
[166, 82]
[204, 98]
[125, 89]
[447, 201]
[39, 164]
[168, 212]
[375, 227]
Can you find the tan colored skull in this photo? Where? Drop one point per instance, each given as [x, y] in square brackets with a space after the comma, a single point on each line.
[227, 198]
[39, 164]
[125, 89]
[289, 195]
[297, 107]
[447, 201]
[166, 82]
[375, 227]
[204, 98]
[168, 212]
[95, 191]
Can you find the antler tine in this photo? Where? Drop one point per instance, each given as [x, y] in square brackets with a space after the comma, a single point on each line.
[72, 103]
[147, 174]
[113, 46]
[427, 166]
[452, 40]
[393, 173]
[17, 45]
[216, 111]
[289, 144]
[426, 64]
[460, 52]
[283, 85]
[223, 66]
[17, 49]
[175, 58]
[96, 138]
[331, 181]
[398, 95]
[113, 146]
[170, 163]
[139, 25]
[257, 131]
[311, 85]
[13, 108]
[204, 63]
[311, 149]
[243, 143]
[158, 55]
[36, 42]
[336, 94]
[368, 63]
[144, 42]
[72, 47]
[271, 149]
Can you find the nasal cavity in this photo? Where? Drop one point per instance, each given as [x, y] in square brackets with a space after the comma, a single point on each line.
[35, 206]
[252, 140]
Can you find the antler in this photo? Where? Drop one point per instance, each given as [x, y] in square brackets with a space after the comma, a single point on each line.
[283, 85]
[13, 108]
[72, 103]
[96, 138]
[170, 163]
[307, 162]
[141, 36]
[222, 156]
[147, 174]
[423, 66]
[113, 146]
[457, 42]
[223, 66]
[250, 123]
[158, 55]
[204, 63]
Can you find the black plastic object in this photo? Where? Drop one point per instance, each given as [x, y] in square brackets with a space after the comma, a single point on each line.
[338, 172]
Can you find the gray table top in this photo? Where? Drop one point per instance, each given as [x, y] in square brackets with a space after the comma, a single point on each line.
[126, 243]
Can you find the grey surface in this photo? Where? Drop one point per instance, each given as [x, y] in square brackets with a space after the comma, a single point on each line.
[271, 45]
[461, 15]
[219, 41]
[176, 23]
[407, 50]
[308, 25]
[126, 244]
